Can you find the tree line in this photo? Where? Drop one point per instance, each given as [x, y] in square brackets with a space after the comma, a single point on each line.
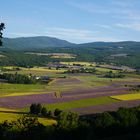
[122, 124]
[18, 78]
[82, 70]
[111, 74]
[39, 110]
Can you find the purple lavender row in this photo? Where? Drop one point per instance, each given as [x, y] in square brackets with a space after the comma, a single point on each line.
[106, 107]
[23, 101]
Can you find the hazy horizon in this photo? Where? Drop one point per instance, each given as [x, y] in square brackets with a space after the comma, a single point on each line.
[70, 41]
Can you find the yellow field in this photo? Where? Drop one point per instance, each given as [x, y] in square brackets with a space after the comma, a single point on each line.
[81, 63]
[54, 55]
[39, 71]
[22, 93]
[46, 121]
[63, 56]
[44, 69]
[126, 97]
[11, 115]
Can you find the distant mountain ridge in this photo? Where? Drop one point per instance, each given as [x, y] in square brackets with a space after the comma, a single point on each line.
[34, 42]
[41, 42]
[111, 44]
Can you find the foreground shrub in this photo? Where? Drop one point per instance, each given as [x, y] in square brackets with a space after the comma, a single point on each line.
[35, 109]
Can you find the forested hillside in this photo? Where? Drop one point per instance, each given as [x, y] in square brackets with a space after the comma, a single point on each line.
[15, 52]
[34, 42]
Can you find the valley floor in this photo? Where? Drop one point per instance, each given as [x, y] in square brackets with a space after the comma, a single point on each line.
[82, 93]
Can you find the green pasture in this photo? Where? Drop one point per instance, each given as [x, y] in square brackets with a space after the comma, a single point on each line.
[6, 88]
[104, 70]
[81, 103]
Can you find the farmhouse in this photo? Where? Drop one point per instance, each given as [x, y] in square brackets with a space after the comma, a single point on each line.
[43, 78]
[56, 65]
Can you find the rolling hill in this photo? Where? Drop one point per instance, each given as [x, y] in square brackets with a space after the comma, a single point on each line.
[41, 42]
[117, 53]
[34, 42]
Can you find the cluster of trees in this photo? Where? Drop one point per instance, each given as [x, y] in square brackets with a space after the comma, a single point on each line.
[18, 78]
[122, 124]
[82, 70]
[135, 88]
[38, 109]
[110, 74]
[65, 120]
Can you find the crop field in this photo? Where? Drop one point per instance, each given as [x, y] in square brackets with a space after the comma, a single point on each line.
[24, 101]
[54, 55]
[81, 103]
[134, 96]
[106, 107]
[39, 71]
[80, 92]
[81, 63]
[11, 115]
[14, 116]
[6, 88]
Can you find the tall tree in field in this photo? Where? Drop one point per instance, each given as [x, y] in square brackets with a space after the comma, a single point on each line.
[2, 27]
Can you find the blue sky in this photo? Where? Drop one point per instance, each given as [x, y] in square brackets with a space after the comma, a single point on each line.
[73, 20]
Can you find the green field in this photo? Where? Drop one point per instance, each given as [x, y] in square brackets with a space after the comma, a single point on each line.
[6, 88]
[81, 103]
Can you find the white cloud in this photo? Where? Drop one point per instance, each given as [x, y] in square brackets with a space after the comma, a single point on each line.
[78, 35]
[123, 9]
[132, 26]
[105, 26]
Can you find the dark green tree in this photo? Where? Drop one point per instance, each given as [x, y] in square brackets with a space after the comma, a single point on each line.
[44, 112]
[25, 122]
[2, 27]
[38, 108]
[104, 120]
[127, 117]
[57, 112]
[35, 109]
[67, 120]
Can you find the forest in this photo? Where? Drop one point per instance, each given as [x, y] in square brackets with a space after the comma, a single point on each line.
[99, 55]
